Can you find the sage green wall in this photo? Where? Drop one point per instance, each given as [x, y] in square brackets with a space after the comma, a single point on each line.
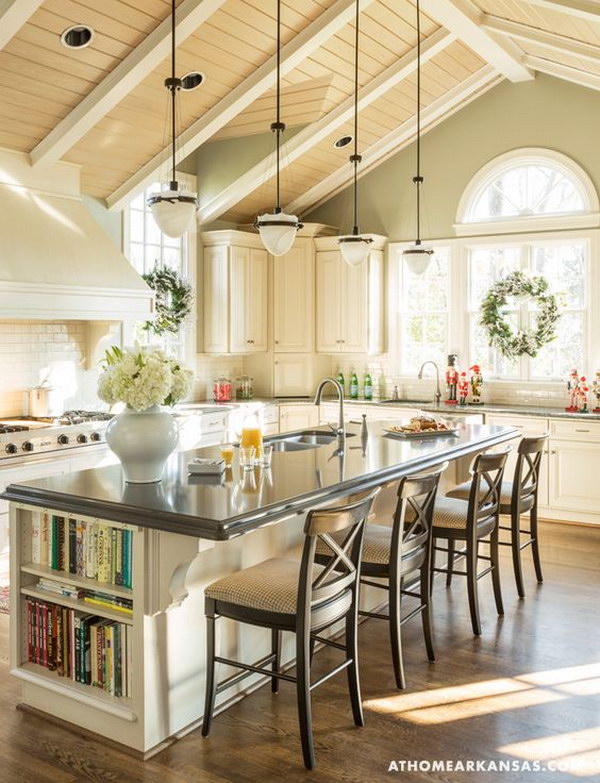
[545, 112]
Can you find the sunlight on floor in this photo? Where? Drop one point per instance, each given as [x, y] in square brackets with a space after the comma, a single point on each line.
[577, 751]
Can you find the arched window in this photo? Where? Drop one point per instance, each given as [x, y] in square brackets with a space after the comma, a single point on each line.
[528, 189]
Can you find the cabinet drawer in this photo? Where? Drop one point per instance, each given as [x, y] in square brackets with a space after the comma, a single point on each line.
[527, 425]
[576, 430]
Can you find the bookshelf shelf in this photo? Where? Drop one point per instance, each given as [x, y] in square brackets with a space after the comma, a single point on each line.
[79, 581]
[79, 604]
[95, 697]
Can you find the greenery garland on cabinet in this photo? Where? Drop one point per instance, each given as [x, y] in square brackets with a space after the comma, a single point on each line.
[173, 302]
[499, 331]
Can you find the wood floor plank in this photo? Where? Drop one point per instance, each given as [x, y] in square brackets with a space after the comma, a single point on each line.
[530, 683]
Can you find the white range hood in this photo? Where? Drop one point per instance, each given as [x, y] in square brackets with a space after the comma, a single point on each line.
[56, 262]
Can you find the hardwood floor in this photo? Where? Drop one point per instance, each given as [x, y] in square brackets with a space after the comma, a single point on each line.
[528, 689]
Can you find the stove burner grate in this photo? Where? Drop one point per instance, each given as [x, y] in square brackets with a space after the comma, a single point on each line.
[5, 428]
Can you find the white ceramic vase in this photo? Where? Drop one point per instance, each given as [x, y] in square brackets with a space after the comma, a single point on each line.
[143, 441]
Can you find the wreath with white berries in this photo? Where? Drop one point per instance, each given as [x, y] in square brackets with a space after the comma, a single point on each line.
[499, 331]
[173, 300]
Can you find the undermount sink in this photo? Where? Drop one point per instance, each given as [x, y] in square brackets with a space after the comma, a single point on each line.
[307, 439]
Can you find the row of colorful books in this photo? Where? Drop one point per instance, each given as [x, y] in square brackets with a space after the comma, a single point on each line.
[91, 549]
[95, 597]
[83, 647]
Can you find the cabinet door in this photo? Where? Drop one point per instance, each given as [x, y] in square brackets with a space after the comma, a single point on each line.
[293, 375]
[294, 301]
[297, 417]
[354, 293]
[248, 300]
[329, 298]
[216, 300]
[574, 471]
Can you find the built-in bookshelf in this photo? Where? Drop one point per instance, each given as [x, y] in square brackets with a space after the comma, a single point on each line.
[76, 624]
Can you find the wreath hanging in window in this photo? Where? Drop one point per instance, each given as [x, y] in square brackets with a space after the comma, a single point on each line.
[500, 332]
[173, 300]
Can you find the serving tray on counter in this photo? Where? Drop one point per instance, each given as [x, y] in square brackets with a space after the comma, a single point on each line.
[422, 434]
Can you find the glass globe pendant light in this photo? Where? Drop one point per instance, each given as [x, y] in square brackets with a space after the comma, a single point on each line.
[354, 247]
[172, 209]
[418, 255]
[278, 230]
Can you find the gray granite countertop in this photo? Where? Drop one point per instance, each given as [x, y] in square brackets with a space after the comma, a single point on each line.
[220, 509]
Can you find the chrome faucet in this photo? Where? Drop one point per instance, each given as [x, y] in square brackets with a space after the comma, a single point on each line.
[437, 397]
[341, 429]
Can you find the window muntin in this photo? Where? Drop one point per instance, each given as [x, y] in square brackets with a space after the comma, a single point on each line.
[425, 313]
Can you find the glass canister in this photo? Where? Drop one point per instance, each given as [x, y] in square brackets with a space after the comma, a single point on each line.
[222, 389]
[245, 388]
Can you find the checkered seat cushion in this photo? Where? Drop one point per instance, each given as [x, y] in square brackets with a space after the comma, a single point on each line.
[463, 490]
[450, 512]
[377, 544]
[271, 586]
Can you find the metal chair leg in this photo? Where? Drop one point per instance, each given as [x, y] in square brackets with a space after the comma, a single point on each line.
[303, 696]
[352, 669]
[495, 563]
[471, 558]
[515, 524]
[537, 563]
[211, 685]
[450, 562]
[395, 634]
[432, 564]
[276, 650]
[426, 614]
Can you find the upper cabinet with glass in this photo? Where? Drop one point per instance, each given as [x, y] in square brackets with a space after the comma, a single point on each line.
[528, 189]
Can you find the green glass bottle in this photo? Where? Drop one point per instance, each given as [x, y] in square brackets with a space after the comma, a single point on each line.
[368, 386]
[340, 379]
[353, 386]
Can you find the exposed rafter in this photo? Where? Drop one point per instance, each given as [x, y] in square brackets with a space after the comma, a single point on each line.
[583, 78]
[584, 9]
[13, 15]
[553, 41]
[292, 54]
[465, 92]
[463, 18]
[314, 133]
[121, 80]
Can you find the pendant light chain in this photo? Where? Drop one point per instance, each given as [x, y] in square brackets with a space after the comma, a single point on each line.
[173, 90]
[278, 126]
[418, 180]
[356, 158]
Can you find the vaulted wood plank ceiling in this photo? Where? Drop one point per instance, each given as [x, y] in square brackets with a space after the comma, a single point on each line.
[118, 135]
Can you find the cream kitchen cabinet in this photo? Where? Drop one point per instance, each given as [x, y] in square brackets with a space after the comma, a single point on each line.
[297, 417]
[350, 303]
[235, 292]
[294, 299]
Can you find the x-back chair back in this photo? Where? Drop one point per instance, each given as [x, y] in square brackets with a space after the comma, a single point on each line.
[527, 472]
[484, 498]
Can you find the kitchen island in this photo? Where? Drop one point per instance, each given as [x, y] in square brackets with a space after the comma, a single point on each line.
[182, 534]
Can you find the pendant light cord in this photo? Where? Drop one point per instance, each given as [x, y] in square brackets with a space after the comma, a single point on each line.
[356, 158]
[418, 180]
[278, 127]
[173, 90]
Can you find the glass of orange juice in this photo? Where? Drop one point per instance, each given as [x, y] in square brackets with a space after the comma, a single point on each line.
[252, 435]
[227, 454]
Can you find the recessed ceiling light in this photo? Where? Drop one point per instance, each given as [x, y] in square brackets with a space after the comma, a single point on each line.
[342, 142]
[192, 80]
[77, 37]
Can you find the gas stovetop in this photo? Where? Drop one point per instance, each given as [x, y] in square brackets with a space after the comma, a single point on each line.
[28, 435]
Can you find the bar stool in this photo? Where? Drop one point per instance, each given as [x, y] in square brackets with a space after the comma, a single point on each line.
[300, 596]
[471, 521]
[517, 497]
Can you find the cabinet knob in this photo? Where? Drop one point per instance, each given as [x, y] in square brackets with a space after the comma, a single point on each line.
[276, 342]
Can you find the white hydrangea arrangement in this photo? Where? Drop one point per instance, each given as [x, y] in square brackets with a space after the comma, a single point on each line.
[142, 377]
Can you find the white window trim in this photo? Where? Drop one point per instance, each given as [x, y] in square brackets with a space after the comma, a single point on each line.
[589, 218]
[189, 181]
[458, 322]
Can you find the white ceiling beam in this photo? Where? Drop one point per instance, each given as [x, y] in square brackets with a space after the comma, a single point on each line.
[553, 41]
[293, 53]
[560, 71]
[583, 9]
[303, 141]
[13, 15]
[394, 141]
[463, 18]
[121, 80]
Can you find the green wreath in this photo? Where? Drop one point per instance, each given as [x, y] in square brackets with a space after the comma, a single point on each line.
[173, 301]
[499, 331]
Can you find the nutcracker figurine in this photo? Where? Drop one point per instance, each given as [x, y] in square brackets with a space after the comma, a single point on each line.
[452, 379]
[463, 389]
[583, 391]
[572, 387]
[596, 388]
[476, 384]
